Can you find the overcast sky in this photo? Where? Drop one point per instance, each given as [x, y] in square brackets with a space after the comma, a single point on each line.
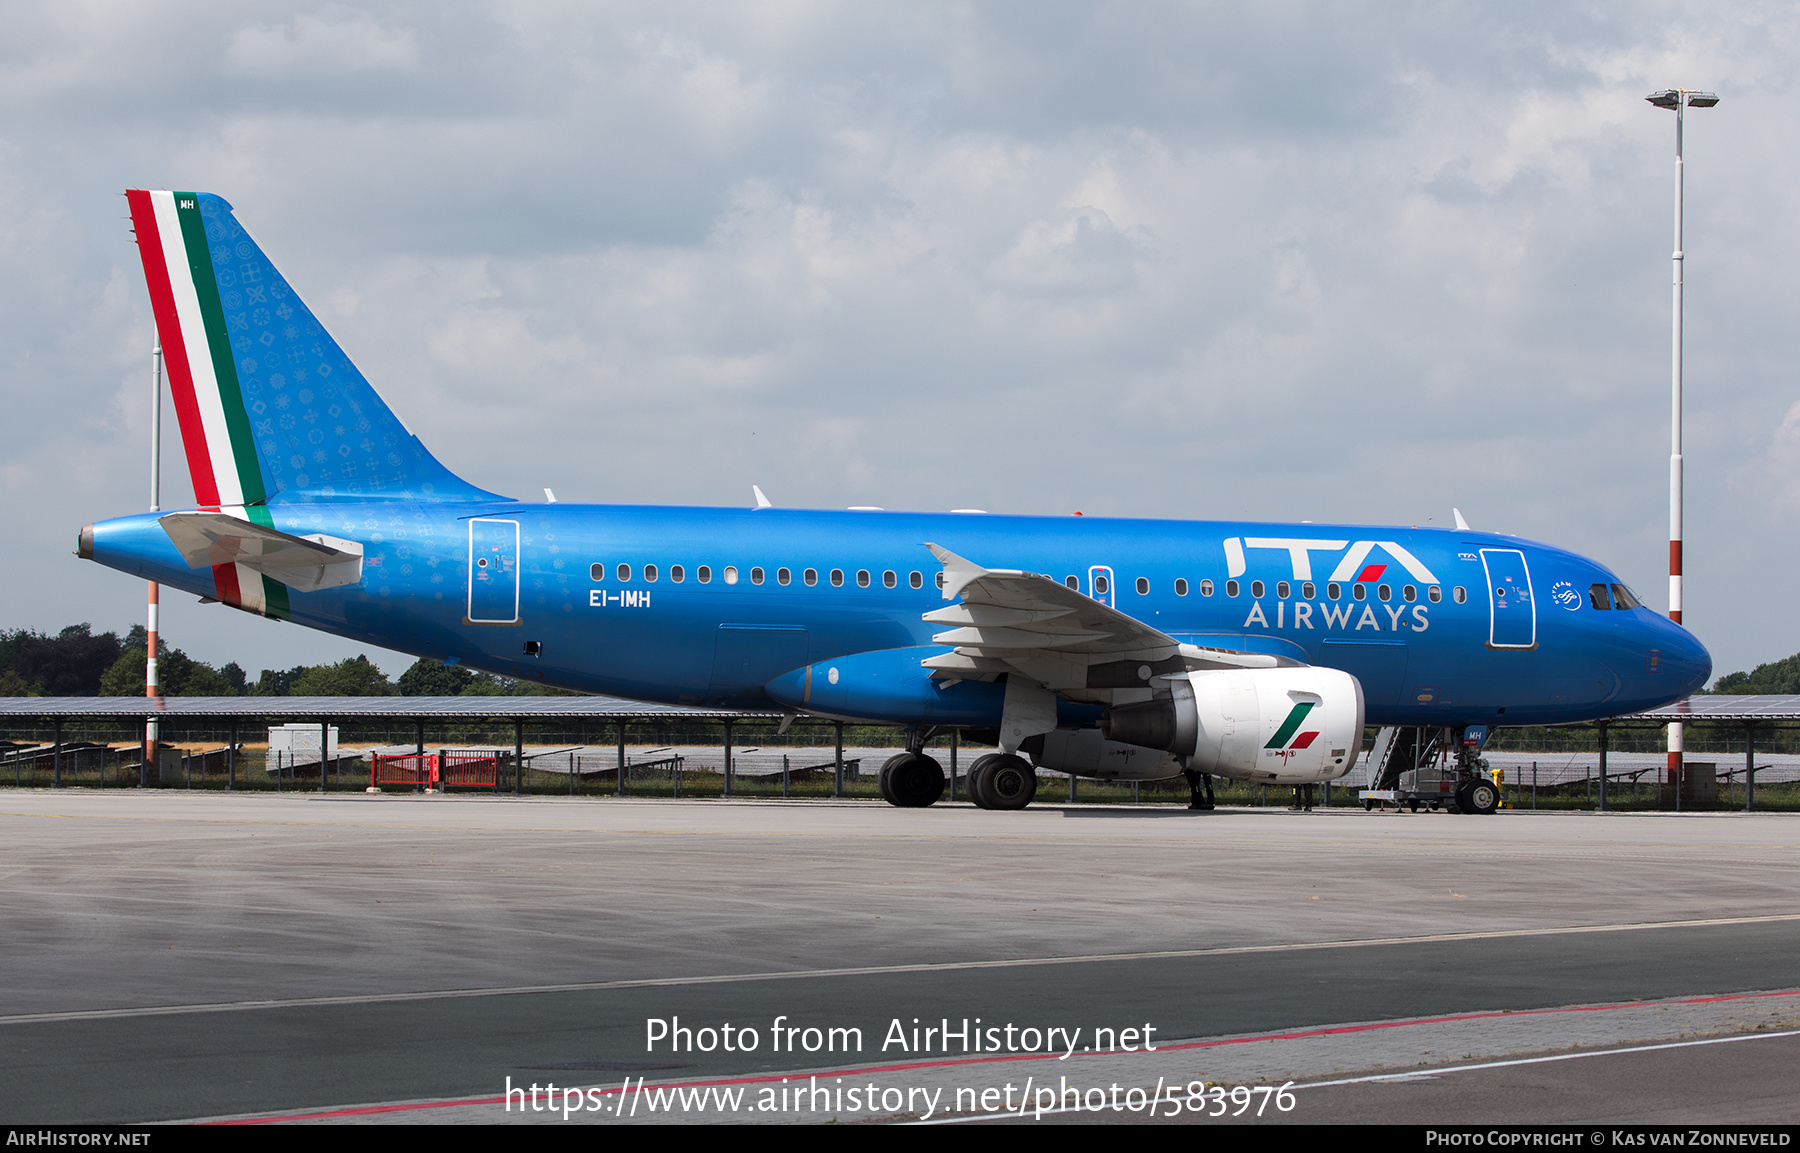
[1308, 261]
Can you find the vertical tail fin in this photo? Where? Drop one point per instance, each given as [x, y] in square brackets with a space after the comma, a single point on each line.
[269, 406]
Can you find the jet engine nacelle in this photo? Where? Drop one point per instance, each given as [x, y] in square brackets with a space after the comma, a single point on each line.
[1289, 726]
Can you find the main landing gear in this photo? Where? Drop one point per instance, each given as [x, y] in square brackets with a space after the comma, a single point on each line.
[1002, 781]
[911, 781]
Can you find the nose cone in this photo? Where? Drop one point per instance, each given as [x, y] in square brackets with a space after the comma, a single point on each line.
[1685, 658]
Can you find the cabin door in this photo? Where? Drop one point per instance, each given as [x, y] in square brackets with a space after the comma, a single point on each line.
[1512, 610]
[493, 572]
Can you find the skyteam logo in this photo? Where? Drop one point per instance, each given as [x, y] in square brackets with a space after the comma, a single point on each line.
[1564, 594]
[1289, 739]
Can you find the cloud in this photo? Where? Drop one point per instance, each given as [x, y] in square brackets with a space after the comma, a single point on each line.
[338, 40]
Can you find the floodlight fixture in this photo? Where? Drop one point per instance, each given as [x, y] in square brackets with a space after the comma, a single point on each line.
[1671, 98]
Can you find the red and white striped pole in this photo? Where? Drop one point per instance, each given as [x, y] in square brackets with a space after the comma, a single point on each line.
[151, 685]
[1678, 100]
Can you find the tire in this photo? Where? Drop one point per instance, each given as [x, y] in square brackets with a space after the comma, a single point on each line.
[885, 779]
[978, 776]
[1413, 805]
[1368, 806]
[916, 783]
[1480, 797]
[1010, 783]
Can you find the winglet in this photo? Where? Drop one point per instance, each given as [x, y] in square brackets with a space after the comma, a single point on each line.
[1461, 524]
[761, 500]
[958, 573]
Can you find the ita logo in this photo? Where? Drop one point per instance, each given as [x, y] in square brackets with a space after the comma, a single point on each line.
[1288, 739]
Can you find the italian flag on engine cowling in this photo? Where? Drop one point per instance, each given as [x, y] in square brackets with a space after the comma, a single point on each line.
[1289, 739]
[203, 380]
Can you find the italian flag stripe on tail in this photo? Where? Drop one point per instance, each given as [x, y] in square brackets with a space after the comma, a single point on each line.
[203, 382]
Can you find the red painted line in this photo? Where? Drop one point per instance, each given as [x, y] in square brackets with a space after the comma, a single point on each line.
[771, 1078]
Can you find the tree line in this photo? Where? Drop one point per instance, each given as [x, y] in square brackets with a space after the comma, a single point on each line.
[78, 662]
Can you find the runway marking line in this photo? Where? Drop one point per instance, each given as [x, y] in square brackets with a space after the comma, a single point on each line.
[1427, 1074]
[1296, 1035]
[872, 970]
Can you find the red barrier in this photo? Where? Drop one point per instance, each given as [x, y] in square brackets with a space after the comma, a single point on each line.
[434, 770]
[468, 769]
[403, 769]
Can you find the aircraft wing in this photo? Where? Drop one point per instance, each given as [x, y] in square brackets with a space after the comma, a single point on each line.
[1031, 625]
[306, 564]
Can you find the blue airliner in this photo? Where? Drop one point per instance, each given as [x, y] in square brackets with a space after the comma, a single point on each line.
[1119, 649]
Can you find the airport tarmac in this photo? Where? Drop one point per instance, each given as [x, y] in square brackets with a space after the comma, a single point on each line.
[184, 955]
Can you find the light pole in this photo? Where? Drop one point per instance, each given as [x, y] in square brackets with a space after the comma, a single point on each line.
[1677, 100]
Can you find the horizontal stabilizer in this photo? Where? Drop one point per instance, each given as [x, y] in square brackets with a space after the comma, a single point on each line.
[307, 564]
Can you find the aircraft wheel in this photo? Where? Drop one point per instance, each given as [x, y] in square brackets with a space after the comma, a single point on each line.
[1009, 783]
[884, 780]
[915, 782]
[978, 777]
[1478, 796]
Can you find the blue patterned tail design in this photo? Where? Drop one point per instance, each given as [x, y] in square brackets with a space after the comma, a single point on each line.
[321, 432]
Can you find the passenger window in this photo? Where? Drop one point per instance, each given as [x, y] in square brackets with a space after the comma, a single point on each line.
[597, 571]
[1434, 594]
[756, 576]
[1308, 590]
[1073, 582]
[1384, 592]
[783, 576]
[1100, 586]
[624, 572]
[650, 572]
[1623, 598]
[837, 577]
[939, 578]
[915, 579]
[1256, 588]
[1180, 586]
[1598, 597]
[1459, 595]
[1333, 591]
[1409, 594]
[730, 574]
[1231, 588]
[1206, 588]
[888, 579]
[1143, 586]
[862, 578]
[677, 573]
[704, 574]
[810, 576]
[1282, 589]
[1359, 592]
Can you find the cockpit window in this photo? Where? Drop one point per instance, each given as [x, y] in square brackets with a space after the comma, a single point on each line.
[1623, 599]
[1597, 596]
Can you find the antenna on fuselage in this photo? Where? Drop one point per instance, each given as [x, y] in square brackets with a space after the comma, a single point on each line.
[1461, 524]
[761, 500]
